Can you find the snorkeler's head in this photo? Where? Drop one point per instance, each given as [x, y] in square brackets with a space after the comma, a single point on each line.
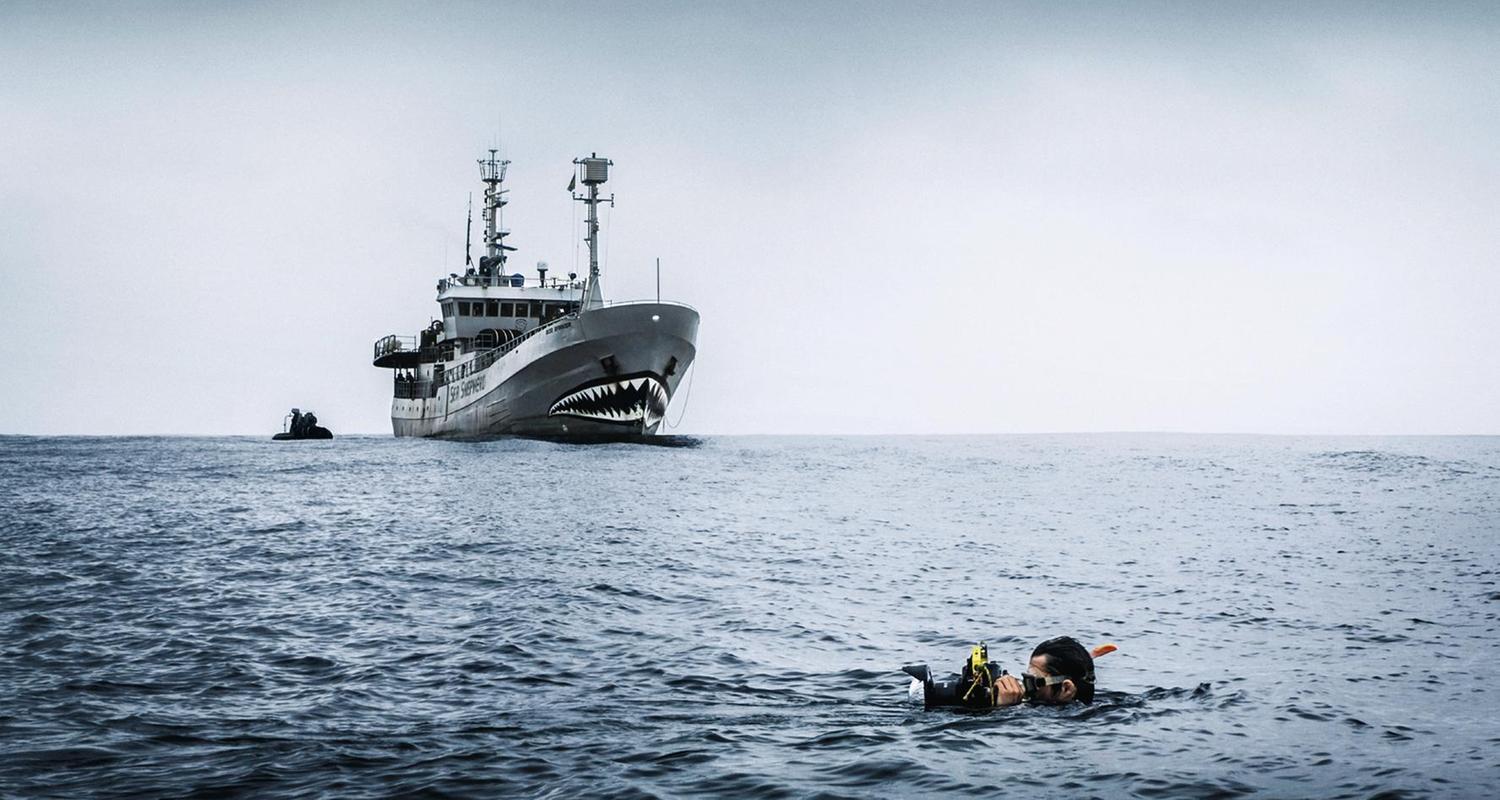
[1066, 657]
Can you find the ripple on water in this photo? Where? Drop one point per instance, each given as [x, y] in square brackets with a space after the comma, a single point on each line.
[1297, 617]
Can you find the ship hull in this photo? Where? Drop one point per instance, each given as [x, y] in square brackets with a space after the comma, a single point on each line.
[604, 374]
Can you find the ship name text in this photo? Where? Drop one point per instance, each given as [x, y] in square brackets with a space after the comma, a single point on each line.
[466, 388]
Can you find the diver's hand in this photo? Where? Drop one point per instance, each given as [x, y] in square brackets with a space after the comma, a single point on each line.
[1008, 691]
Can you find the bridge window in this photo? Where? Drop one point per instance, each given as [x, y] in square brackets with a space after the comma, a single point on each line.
[492, 308]
[463, 308]
[507, 309]
[523, 309]
[448, 309]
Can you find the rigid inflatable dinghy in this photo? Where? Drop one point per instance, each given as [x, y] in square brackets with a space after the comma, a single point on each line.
[300, 425]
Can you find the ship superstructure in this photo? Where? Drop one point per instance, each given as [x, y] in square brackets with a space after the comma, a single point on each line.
[544, 356]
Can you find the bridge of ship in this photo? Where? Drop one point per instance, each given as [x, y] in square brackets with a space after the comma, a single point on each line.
[481, 312]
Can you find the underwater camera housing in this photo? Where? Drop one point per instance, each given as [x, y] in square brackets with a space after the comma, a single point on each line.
[972, 687]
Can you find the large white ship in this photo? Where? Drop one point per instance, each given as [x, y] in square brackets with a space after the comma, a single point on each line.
[513, 355]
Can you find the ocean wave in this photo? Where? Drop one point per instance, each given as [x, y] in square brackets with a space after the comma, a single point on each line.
[380, 617]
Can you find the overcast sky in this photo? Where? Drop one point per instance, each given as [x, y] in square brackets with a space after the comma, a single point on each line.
[899, 218]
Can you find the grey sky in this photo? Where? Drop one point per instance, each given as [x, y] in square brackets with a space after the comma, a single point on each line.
[894, 218]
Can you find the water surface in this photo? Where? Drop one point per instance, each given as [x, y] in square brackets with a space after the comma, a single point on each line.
[368, 616]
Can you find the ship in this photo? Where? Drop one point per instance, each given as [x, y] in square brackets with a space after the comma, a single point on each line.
[541, 357]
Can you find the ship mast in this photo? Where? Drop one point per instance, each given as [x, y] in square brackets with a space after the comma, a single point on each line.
[492, 172]
[594, 171]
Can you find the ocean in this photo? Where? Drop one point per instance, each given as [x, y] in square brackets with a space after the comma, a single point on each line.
[372, 617]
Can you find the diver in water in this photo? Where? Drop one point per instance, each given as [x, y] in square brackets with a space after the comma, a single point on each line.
[1061, 671]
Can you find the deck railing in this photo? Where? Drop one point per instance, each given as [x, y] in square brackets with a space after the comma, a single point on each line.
[516, 281]
[412, 390]
[647, 302]
[483, 361]
[396, 344]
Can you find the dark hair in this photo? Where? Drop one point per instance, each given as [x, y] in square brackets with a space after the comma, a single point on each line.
[1065, 656]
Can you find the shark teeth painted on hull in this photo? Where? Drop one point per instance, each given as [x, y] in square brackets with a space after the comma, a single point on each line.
[639, 399]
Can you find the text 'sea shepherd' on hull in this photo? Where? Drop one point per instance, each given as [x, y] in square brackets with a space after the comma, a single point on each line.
[539, 356]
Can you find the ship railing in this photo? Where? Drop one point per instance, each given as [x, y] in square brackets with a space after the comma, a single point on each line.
[399, 346]
[614, 303]
[513, 281]
[412, 390]
[387, 345]
[487, 357]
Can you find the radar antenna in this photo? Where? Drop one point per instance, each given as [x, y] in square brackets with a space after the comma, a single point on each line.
[593, 171]
[492, 172]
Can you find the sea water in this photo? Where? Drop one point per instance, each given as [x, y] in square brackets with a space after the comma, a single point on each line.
[370, 617]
